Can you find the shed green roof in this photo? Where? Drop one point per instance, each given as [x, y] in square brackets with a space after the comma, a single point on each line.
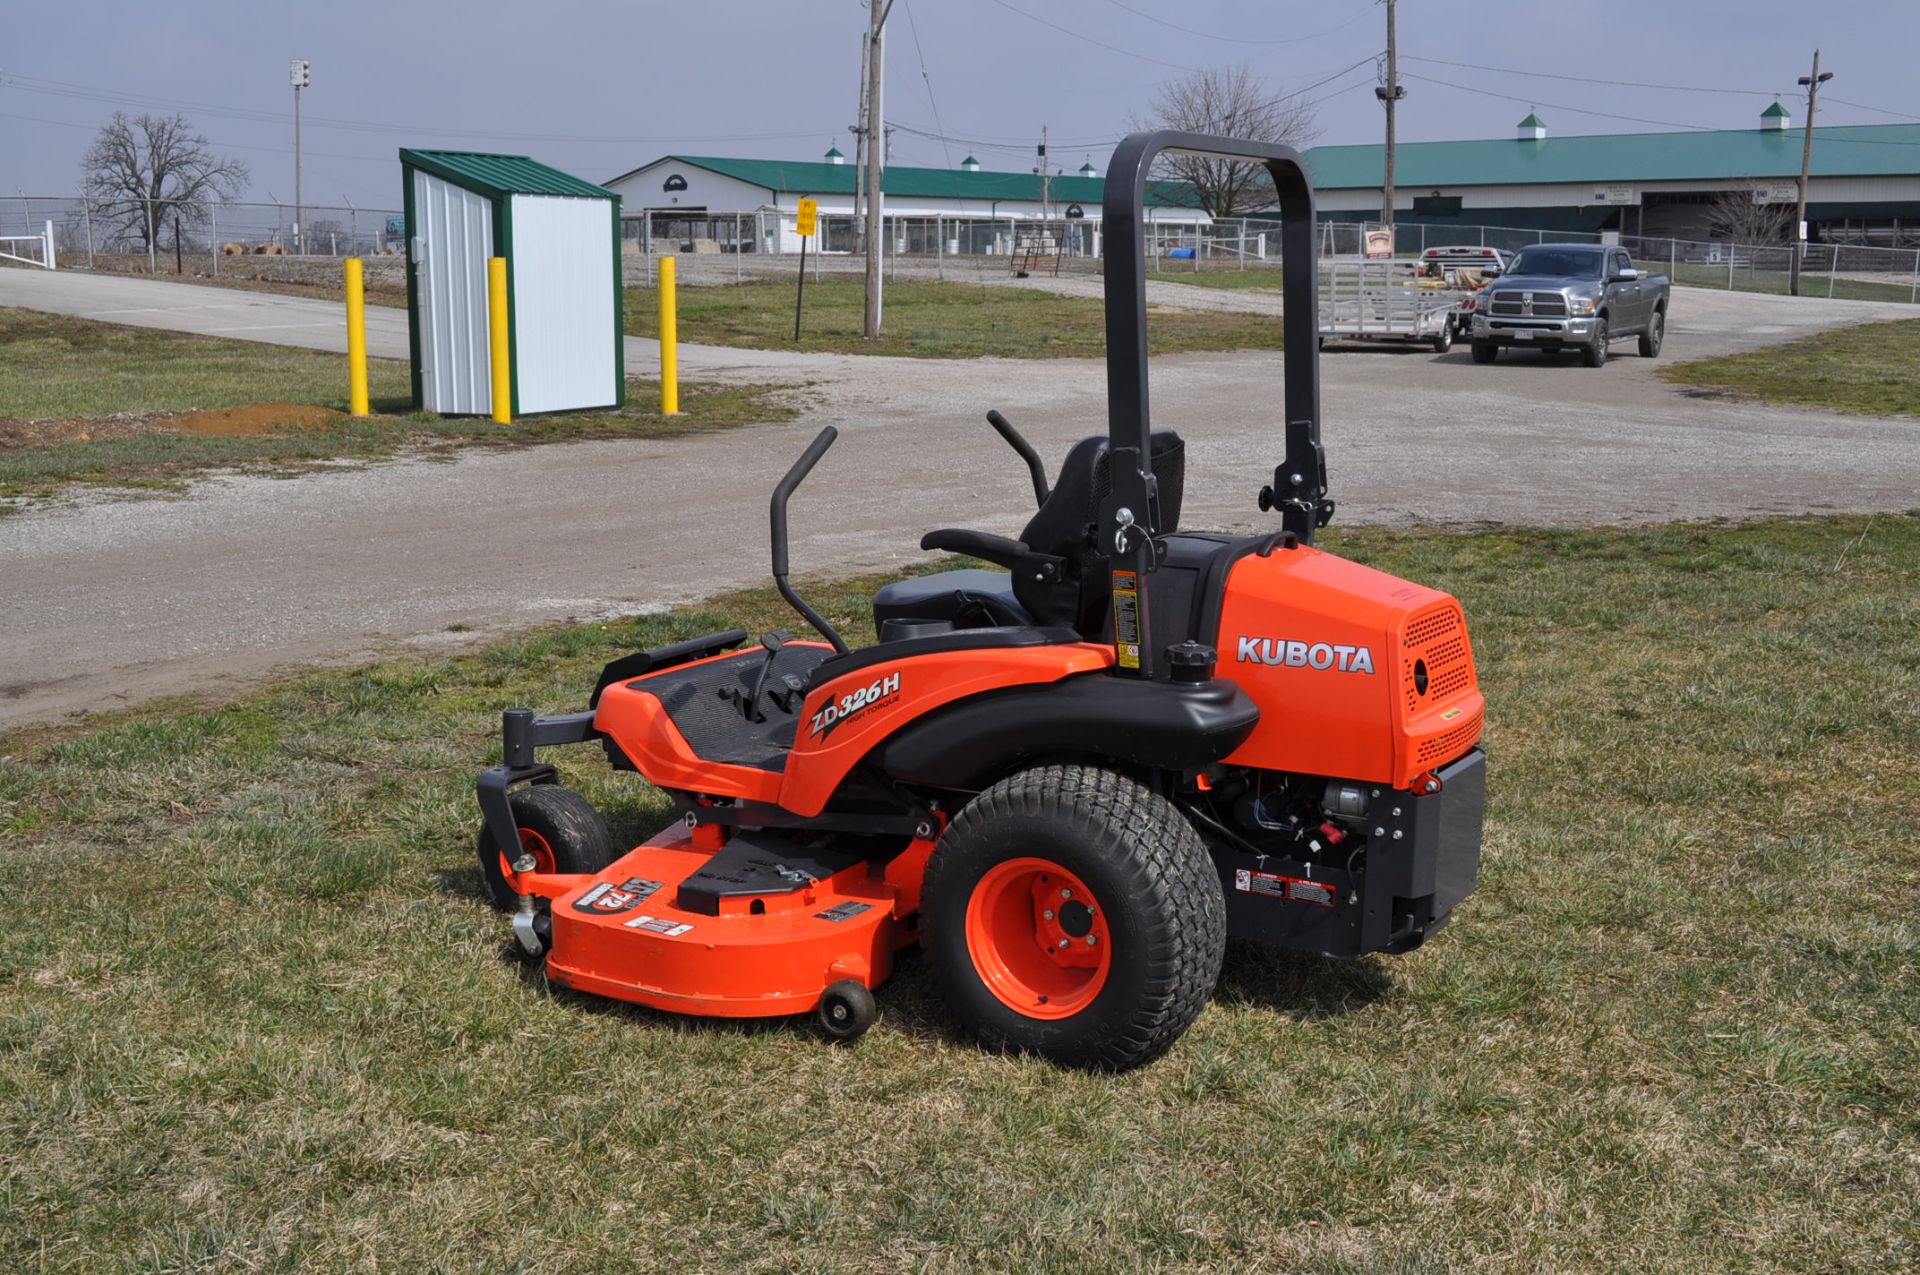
[1870, 150]
[1532, 121]
[812, 178]
[497, 176]
[1773, 112]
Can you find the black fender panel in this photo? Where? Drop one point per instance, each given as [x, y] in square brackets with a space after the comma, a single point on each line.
[1165, 725]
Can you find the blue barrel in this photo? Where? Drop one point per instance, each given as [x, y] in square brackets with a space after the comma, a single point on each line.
[1181, 254]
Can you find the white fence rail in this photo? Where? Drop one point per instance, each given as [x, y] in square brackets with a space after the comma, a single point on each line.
[33, 250]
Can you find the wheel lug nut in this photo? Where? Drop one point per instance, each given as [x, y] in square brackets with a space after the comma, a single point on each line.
[1063, 942]
[1092, 939]
[1066, 894]
[1047, 915]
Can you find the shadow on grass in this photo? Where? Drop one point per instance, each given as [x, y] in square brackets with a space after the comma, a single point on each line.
[1307, 987]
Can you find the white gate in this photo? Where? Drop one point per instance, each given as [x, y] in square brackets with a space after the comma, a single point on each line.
[34, 250]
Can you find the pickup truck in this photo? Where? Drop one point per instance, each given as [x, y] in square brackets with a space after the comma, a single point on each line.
[1558, 296]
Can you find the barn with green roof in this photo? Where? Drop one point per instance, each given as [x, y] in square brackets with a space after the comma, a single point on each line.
[1865, 185]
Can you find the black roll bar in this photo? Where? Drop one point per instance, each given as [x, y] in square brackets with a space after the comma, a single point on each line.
[1129, 517]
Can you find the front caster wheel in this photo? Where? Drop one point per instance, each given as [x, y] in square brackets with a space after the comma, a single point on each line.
[559, 829]
[846, 1010]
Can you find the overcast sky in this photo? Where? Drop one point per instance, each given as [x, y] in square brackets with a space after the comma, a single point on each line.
[598, 87]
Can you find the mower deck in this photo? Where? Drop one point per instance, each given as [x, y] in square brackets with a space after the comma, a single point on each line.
[759, 928]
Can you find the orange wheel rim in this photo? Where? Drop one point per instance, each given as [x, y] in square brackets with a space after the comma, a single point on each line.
[534, 844]
[1038, 938]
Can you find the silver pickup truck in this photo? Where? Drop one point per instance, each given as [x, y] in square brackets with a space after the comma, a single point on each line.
[1558, 296]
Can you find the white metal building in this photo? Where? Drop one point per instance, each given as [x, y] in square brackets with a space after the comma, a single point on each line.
[695, 187]
[560, 236]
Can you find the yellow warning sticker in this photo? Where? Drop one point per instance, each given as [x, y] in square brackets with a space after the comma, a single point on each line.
[1126, 619]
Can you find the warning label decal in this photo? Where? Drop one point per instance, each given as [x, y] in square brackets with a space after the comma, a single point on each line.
[1319, 894]
[843, 912]
[607, 898]
[656, 925]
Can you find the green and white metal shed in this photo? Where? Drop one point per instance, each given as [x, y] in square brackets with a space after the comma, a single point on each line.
[560, 236]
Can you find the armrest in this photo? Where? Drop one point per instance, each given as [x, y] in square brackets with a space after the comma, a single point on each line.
[998, 550]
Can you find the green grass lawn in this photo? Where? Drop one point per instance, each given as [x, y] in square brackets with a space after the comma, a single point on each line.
[87, 402]
[931, 320]
[1749, 279]
[1872, 368]
[254, 1013]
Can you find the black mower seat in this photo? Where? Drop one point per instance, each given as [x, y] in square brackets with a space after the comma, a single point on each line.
[1062, 528]
[713, 726]
[964, 599]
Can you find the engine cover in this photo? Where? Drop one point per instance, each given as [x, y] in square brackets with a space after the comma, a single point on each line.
[1357, 673]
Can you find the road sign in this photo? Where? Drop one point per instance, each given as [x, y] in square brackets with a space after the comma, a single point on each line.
[809, 213]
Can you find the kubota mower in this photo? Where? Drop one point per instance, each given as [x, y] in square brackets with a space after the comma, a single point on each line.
[1070, 780]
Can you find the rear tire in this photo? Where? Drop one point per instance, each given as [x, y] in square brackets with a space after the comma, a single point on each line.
[1444, 342]
[1594, 352]
[1071, 913]
[1485, 351]
[558, 827]
[1655, 336]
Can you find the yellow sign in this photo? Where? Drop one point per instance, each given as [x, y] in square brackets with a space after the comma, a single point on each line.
[809, 211]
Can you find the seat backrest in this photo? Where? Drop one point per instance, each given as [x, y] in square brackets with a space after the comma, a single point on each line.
[1063, 528]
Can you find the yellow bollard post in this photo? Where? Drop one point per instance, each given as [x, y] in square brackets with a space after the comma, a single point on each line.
[497, 334]
[669, 342]
[356, 338]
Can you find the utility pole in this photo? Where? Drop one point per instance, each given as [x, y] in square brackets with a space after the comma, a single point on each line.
[1813, 83]
[859, 131]
[299, 70]
[1046, 180]
[1389, 93]
[876, 150]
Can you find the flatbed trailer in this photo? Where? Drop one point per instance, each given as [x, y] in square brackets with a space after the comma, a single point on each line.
[1364, 299]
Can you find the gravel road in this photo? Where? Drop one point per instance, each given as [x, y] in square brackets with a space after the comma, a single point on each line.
[113, 601]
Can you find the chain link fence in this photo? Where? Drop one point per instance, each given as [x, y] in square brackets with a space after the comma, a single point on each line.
[208, 240]
[258, 241]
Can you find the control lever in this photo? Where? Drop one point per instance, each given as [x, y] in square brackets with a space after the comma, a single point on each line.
[748, 702]
[1015, 440]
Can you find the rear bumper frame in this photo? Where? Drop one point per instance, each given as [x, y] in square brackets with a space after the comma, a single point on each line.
[1420, 857]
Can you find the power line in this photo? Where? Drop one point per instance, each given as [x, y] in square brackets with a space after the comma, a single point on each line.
[1557, 106]
[1112, 48]
[59, 88]
[1877, 110]
[1582, 79]
[1235, 39]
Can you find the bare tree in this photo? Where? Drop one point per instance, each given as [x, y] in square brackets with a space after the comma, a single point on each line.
[1230, 102]
[143, 172]
[1740, 216]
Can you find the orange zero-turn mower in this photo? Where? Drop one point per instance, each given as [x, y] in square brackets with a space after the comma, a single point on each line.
[1069, 781]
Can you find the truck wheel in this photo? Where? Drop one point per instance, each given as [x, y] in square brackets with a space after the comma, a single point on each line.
[558, 827]
[1485, 351]
[1444, 342]
[1654, 336]
[1071, 913]
[1594, 353]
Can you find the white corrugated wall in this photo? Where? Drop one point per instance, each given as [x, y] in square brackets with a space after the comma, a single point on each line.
[563, 285]
[453, 237]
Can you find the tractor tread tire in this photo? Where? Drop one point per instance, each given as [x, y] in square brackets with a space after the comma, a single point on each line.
[569, 824]
[1155, 879]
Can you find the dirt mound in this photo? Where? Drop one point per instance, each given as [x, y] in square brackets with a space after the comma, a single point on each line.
[255, 418]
